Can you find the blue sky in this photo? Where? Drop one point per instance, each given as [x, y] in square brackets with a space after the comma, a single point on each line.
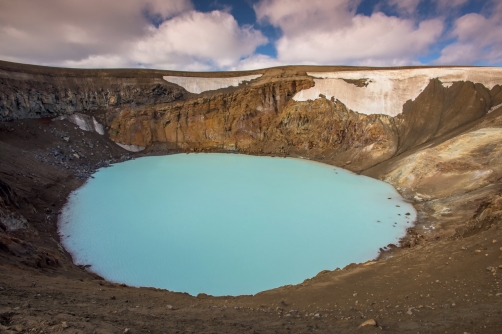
[247, 34]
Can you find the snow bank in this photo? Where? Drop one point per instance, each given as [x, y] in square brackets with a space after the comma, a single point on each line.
[198, 85]
[84, 122]
[131, 148]
[386, 91]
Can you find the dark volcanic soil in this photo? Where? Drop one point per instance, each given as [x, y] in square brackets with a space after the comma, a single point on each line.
[437, 282]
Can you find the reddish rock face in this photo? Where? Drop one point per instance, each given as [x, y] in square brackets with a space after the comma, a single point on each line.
[264, 119]
[226, 120]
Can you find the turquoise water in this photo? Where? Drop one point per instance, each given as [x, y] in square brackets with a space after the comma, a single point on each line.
[226, 224]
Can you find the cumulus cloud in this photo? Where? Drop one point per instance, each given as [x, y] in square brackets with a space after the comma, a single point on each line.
[98, 61]
[171, 34]
[97, 33]
[478, 39]
[211, 38]
[410, 7]
[320, 33]
[51, 31]
[295, 16]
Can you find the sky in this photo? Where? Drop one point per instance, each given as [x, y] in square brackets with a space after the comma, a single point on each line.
[222, 35]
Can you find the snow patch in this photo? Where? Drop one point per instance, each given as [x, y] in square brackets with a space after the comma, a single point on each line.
[368, 148]
[98, 127]
[495, 108]
[84, 122]
[198, 85]
[131, 148]
[387, 90]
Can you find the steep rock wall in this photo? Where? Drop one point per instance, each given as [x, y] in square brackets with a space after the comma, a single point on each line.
[264, 119]
[439, 110]
[224, 121]
[25, 95]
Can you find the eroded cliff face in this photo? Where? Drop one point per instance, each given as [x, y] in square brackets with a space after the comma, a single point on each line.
[325, 130]
[231, 121]
[261, 120]
[29, 93]
[439, 110]
[264, 119]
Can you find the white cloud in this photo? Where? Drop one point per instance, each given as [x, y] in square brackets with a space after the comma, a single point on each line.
[52, 31]
[170, 34]
[295, 16]
[99, 33]
[192, 41]
[478, 39]
[318, 33]
[410, 6]
[212, 38]
[99, 61]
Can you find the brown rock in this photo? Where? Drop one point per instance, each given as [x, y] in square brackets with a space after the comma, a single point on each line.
[369, 322]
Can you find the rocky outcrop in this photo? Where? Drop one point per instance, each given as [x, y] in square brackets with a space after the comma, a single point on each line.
[10, 218]
[458, 165]
[236, 120]
[326, 130]
[35, 95]
[263, 119]
[439, 110]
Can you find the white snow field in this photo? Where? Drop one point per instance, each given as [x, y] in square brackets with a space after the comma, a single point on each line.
[84, 122]
[387, 90]
[198, 85]
[131, 148]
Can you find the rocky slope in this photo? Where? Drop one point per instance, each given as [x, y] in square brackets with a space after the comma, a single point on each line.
[441, 150]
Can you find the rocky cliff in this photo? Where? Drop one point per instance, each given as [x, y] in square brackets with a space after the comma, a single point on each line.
[264, 118]
[29, 92]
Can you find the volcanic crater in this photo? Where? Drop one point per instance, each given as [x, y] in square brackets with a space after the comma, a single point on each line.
[434, 133]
